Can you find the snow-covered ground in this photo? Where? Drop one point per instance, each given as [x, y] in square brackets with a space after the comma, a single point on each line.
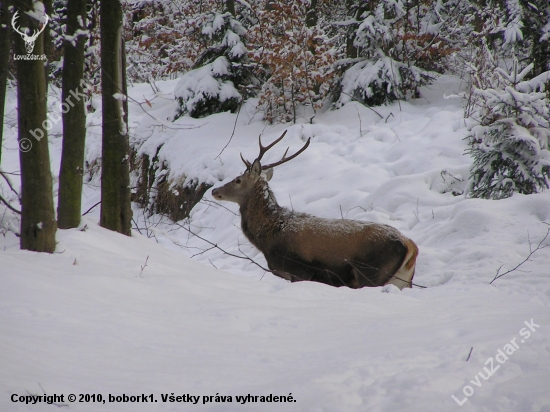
[107, 314]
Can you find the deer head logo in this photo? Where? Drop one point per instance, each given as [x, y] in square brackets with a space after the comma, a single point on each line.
[29, 40]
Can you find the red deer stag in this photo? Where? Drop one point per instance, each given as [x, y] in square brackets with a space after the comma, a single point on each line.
[297, 246]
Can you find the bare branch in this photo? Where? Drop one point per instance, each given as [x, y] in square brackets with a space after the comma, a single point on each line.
[232, 133]
[531, 253]
[10, 207]
[215, 245]
[90, 209]
[360, 102]
[8, 181]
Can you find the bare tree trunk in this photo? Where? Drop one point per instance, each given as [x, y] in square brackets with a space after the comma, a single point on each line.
[5, 31]
[230, 7]
[116, 212]
[311, 14]
[37, 212]
[356, 9]
[74, 121]
[48, 46]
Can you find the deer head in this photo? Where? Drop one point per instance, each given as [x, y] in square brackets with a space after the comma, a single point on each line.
[29, 40]
[240, 188]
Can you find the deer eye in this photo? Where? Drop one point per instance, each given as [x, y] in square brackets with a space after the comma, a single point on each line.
[238, 181]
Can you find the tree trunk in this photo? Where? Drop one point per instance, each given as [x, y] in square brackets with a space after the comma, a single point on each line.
[534, 22]
[37, 212]
[356, 9]
[311, 14]
[48, 46]
[116, 213]
[5, 31]
[74, 121]
[230, 7]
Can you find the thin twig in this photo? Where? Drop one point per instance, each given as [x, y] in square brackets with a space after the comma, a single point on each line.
[364, 104]
[137, 227]
[233, 133]
[10, 207]
[360, 125]
[90, 209]
[8, 181]
[531, 253]
[469, 354]
[215, 245]
[144, 265]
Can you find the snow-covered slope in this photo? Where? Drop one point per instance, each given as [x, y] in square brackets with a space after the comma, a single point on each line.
[107, 314]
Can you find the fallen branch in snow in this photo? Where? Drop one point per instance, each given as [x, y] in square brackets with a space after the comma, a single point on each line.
[90, 209]
[215, 246]
[469, 354]
[144, 265]
[360, 123]
[216, 204]
[531, 253]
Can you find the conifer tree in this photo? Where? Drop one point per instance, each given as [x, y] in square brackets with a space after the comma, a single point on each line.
[399, 48]
[220, 76]
[510, 136]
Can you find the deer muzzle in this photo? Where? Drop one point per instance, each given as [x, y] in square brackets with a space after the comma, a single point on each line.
[216, 194]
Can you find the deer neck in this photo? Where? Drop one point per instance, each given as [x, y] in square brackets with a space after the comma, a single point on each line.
[261, 215]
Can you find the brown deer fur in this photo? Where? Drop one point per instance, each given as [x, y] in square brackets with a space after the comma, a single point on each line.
[298, 246]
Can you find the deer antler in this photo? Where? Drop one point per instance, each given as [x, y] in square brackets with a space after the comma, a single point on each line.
[285, 159]
[264, 149]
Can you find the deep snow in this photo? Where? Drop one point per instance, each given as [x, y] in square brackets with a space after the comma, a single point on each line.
[92, 318]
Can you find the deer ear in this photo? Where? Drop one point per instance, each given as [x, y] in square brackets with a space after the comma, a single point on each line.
[268, 174]
[256, 169]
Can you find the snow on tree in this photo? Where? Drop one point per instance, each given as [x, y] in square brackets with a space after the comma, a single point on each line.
[509, 135]
[398, 47]
[163, 37]
[221, 74]
[526, 31]
[293, 56]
